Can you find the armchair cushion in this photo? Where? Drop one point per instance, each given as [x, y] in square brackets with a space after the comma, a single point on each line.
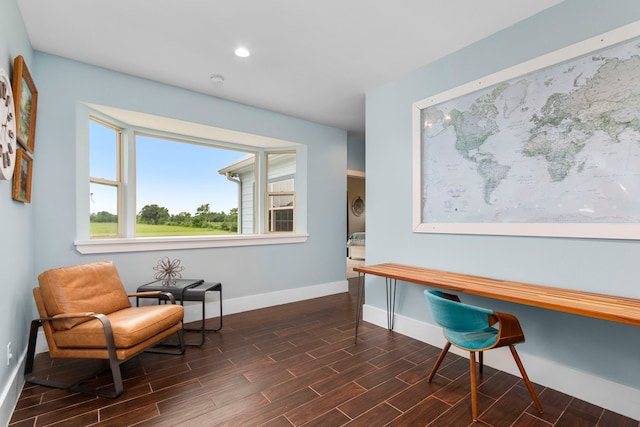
[131, 326]
[94, 287]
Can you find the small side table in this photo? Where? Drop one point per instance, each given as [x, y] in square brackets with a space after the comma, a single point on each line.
[189, 290]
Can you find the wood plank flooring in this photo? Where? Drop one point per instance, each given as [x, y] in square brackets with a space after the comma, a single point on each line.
[297, 365]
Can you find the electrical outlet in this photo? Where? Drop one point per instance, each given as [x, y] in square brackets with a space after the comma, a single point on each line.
[9, 354]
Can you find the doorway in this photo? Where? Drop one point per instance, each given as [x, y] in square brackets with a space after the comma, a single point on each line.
[356, 222]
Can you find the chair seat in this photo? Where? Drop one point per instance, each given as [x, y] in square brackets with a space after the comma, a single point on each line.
[472, 341]
[131, 326]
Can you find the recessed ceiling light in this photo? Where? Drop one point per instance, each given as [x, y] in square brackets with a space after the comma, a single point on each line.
[242, 52]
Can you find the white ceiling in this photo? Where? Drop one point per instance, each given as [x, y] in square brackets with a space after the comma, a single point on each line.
[309, 59]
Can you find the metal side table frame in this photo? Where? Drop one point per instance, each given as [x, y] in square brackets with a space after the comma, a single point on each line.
[198, 293]
[189, 290]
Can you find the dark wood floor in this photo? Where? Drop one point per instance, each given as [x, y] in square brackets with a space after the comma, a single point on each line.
[294, 365]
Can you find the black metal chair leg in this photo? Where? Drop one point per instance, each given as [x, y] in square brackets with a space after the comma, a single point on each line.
[114, 365]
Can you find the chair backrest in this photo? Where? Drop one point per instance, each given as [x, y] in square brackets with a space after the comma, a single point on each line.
[94, 287]
[455, 315]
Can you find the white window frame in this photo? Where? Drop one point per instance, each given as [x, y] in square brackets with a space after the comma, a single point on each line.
[269, 219]
[130, 122]
[117, 183]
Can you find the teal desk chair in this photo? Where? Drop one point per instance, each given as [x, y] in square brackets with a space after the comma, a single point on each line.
[474, 329]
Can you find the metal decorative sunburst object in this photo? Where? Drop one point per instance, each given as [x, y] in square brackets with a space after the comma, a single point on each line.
[168, 271]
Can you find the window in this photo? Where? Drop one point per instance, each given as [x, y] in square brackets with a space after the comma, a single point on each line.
[281, 196]
[105, 181]
[153, 190]
[280, 200]
[179, 190]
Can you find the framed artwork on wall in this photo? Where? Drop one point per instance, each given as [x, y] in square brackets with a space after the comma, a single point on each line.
[546, 148]
[8, 142]
[22, 176]
[25, 95]
[357, 206]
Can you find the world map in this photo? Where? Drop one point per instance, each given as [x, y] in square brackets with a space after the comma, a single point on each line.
[557, 145]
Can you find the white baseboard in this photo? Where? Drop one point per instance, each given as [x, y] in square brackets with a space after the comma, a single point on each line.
[11, 391]
[193, 311]
[607, 394]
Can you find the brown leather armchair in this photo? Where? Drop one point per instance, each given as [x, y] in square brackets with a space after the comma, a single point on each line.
[85, 313]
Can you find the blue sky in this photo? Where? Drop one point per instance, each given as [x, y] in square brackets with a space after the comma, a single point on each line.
[175, 175]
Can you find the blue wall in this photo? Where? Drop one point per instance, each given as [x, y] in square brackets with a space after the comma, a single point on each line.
[355, 154]
[17, 248]
[603, 349]
[63, 83]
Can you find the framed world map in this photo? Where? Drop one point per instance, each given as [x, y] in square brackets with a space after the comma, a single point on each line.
[550, 147]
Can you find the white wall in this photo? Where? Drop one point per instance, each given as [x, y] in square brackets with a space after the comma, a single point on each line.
[248, 209]
[563, 344]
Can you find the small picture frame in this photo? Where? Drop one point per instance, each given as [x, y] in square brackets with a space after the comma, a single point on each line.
[22, 176]
[25, 96]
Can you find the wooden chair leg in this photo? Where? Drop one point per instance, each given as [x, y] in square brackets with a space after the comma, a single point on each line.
[526, 378]
[443, 353]
[474, 386]
[481, 360]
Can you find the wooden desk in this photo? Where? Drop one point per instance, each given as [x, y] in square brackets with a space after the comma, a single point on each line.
[600, 306]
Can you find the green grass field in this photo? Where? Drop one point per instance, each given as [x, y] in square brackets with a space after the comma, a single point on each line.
[110, 229]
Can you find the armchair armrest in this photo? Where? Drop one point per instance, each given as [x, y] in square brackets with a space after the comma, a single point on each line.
[145, 294]
[154, 294]
[106, 324]
[70, 316]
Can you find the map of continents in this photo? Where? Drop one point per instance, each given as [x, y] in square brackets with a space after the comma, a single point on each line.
[558, 145]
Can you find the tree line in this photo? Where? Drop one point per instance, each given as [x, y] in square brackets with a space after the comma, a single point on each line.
[159, 215]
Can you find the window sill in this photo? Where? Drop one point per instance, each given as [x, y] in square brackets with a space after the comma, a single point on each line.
[141, 244]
